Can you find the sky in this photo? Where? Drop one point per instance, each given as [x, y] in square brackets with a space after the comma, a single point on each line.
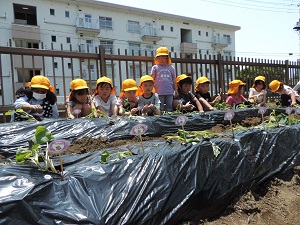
[266, 25]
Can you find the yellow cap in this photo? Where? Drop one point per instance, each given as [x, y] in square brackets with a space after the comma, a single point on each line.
[182, 77]
[144, 78]
[274, 85]
[162, 51]
[262, 78]
[234, 86]
[104, 80]
[40, 81]
[78, 84]
[128, 85]
[201, 80]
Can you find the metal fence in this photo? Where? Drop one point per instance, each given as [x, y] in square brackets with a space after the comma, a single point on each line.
[18, 65]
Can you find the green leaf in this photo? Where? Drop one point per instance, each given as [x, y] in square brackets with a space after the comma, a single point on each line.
[125, 154]
[42, 135]
[104, 157]
[23, 154]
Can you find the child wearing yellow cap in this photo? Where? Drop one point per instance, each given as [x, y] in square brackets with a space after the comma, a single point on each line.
[164, 77]
[38, 100]
[80, 101]
[289, 97]
[235, 93]
[148, 101]
[258, 92]
[127, 101]
[105, 97]
[203, 95]
[186, 101]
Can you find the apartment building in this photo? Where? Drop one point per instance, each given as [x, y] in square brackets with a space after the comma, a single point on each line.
[82, 25]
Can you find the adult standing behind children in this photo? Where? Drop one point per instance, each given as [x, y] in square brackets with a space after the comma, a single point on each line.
[80, 101]
[258, 92]
[38, 100]
[164, 77]
[148, 100]
[105, 96]
[203, 95]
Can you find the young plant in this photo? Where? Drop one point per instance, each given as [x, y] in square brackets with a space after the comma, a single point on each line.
[183, 135]
[139, 130]
[34, 152]
[222, 106]
[21, 114]
[208, 135]
[229, 116]
[105, 156]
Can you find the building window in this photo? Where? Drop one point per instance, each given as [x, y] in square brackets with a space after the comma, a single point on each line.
[227, 38]
[69, 65]
[52, 12]
[172, 49]
[148, 49]
[134, 48]
[171, 29]
[25, 14]
[108, 45]
[67, 14]
[55, 65]
[133, 27]
[134, 71]
[199, 32]
[68, 40]
[162, 27]
[53, 38]
[105, 23]
[32, 45]
[57, 91]
[206, 34]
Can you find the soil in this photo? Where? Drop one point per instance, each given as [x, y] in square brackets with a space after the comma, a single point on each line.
[275, 202]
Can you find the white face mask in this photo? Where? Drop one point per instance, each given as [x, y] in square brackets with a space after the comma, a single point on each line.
[38, 96]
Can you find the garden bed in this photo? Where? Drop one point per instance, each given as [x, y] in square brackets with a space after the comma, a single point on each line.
[168, 183]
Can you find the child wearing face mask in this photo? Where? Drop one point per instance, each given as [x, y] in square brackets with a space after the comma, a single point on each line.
[38, 100]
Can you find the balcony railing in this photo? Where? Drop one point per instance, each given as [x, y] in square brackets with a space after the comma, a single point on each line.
[221, 41]
[87, 26]
[151, 34]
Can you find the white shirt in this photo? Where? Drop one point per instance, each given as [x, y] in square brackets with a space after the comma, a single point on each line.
[112, 100]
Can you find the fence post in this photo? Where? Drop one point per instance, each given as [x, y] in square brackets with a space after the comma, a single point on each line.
[102, 61]
[220, 76]
[287, 72]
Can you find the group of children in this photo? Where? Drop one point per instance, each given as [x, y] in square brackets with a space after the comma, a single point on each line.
[162, 91]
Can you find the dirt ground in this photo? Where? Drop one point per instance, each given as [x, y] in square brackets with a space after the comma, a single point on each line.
[275, 202]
